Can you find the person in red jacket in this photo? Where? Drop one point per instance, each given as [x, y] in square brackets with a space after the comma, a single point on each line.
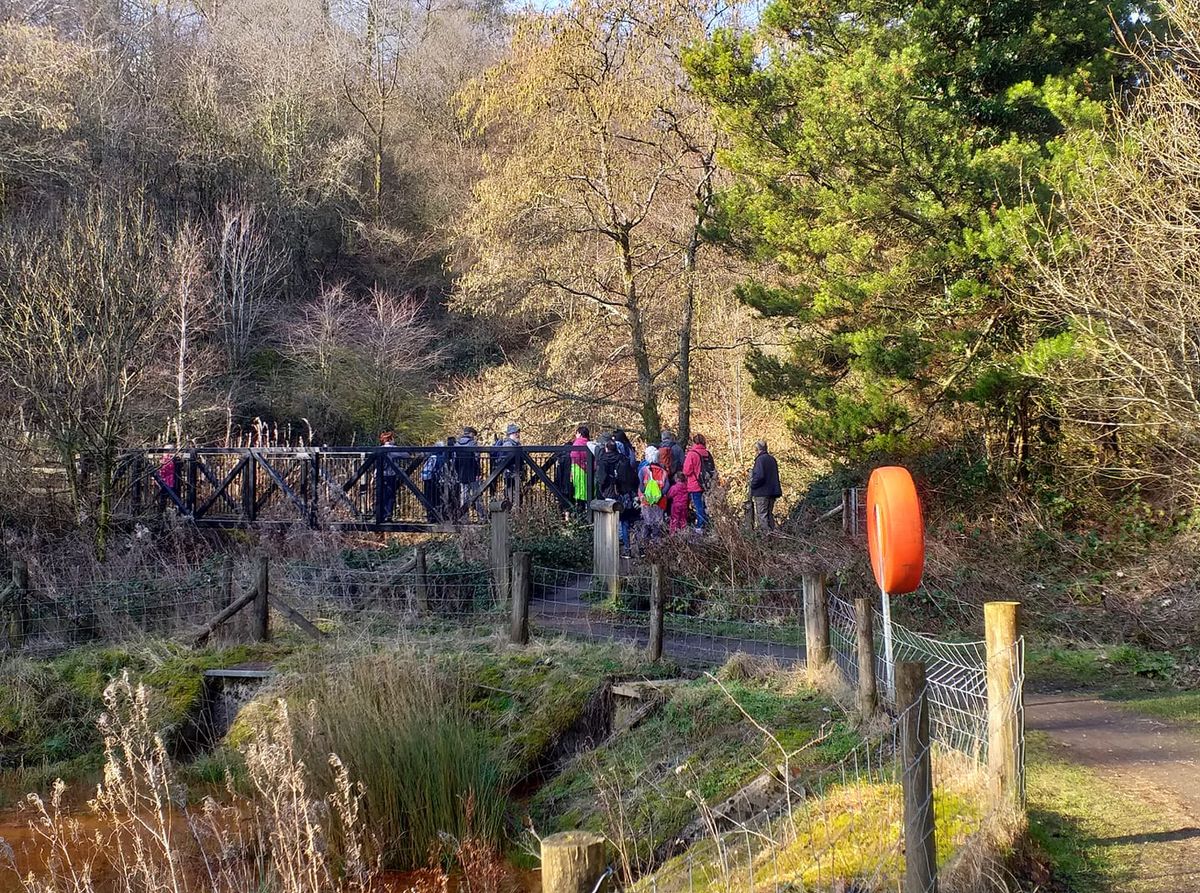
[701, 474]
[677, 496]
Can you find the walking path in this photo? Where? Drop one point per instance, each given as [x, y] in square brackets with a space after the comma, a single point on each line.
[1150, 762]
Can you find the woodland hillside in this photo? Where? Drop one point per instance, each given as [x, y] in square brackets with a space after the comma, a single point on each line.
[952, 233]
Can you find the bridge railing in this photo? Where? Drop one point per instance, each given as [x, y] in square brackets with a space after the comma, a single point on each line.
[401, 488]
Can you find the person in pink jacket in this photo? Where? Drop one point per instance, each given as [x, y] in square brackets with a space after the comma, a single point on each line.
[677, 496]
[700, 472]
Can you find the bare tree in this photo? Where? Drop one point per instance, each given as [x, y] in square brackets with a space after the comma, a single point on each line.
[1124, 275]
[364, 354]
[84, 317]
[191, 320]
[247, 270]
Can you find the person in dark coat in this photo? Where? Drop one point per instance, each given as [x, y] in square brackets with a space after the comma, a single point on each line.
[764, 487]
[466, 469]
[389, 461]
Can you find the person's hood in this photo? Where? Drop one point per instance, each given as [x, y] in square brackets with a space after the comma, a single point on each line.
[668, 441]
[699, 448]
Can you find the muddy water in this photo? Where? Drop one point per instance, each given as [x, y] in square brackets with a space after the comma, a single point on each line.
[31, 851]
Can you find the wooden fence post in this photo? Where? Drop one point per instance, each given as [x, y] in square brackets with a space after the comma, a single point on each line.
[606, 545]
[20, 628]
[920, 849]
[816, 622]
[262, 604]
[500, 550]
[1001, 624]
[655, 648]
[847, 513]
[421, 589]
[522, 586]
[868, 693]
[573, 862]
[225, 596]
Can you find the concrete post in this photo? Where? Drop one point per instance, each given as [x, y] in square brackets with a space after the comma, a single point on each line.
[816, 622]
[522, 590]
[868, 693]
[606, 545]
[573, 861]
[500, 550]
[1001, 624]
[920, 843]
[655, 648]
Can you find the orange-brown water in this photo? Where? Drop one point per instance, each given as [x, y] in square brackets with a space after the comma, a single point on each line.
[31, 853]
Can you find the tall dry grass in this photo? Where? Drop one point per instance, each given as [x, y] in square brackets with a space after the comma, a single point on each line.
[139, 834]
[432, 772]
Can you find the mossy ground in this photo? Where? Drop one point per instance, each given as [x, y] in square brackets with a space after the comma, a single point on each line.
[636, 786]
[49, 708]
[839, 832]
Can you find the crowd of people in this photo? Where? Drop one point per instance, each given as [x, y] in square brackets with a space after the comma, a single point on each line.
[661, 488]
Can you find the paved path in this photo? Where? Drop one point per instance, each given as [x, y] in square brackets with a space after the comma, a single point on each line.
[1154, 762]
[563, 608]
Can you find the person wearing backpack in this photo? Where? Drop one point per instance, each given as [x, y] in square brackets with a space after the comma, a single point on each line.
[431, 482]
[670, 454]
[700, 472]
[653, 484]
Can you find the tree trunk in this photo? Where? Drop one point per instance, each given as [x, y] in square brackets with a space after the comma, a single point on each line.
[684, 386]
[104, 506]
[647, 392]
[684, 430]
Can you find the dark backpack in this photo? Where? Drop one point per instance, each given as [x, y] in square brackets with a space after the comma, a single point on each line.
[708, 472]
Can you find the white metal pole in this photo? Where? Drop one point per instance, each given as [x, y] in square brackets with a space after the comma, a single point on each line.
[889, 663]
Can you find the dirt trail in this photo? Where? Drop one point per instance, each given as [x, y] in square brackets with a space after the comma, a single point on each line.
[1154, 762]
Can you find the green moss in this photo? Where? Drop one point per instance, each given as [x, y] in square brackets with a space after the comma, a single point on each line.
[698, 741]
[49, 708]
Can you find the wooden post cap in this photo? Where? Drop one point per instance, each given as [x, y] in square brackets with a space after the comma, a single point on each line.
[572, 862]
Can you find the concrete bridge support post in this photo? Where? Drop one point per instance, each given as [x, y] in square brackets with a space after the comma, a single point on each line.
[606, 545]
[500, 550]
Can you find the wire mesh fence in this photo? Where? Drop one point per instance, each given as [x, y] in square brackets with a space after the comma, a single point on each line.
[47, 616]
[700, 625]
[845, 827]
[842, 826]
[956, 674]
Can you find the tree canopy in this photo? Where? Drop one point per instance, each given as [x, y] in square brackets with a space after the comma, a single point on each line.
[889, 157]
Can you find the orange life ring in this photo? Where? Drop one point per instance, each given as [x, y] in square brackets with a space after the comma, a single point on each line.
[895, 531]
